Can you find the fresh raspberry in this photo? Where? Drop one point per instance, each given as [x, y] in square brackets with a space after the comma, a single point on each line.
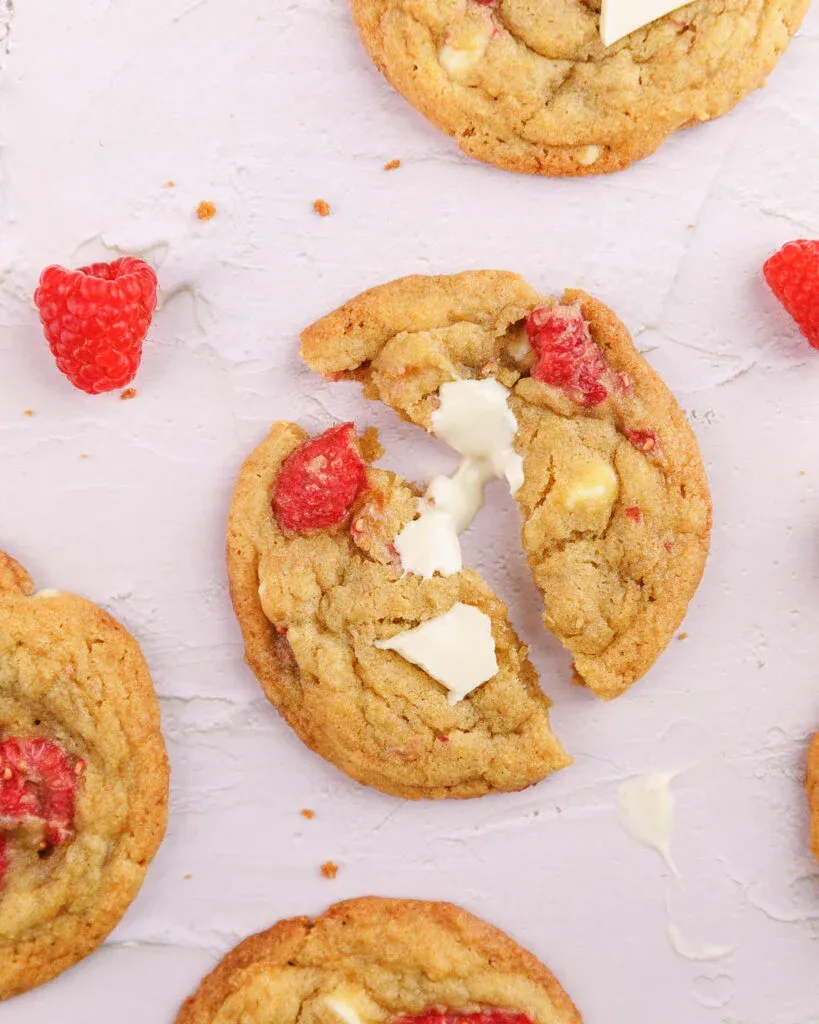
[38, 782]
[793, 276]
[95, 320]
[568, 357]
[478, 1017]
[319, 482]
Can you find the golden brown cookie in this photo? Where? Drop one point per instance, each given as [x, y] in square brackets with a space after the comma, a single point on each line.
[812, 784]
[615, 502]
[83, 778]
[312, 603]
[380, 961]
[529, 86]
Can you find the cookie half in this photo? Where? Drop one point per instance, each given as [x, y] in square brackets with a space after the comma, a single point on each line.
[381, 961]
[529, 86]
[615, 503]
[83, 778]
[314, 601]
[812, 784]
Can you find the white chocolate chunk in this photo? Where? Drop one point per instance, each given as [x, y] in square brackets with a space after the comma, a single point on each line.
[588, 155]
[595, 486]
[46, 593]
[619, 18]
[343, 1008]
[465, 49]
[457, 649]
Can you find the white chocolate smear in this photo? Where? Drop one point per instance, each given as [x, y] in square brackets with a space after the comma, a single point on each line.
[698, 952]
[474, 418]
[457, 649]
[646, 808]
[619, 18]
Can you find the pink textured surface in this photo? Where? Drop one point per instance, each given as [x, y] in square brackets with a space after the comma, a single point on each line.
[261, 107]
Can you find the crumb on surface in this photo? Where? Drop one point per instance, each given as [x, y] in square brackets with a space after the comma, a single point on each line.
[322, 207]
[682, 636]
[187, 876]
[128, 393]
[206, 210]
[28, 412]
[329, 869]
[170, 184]
[84, 455]
[801, 471]
[393, 165]
[307, 813]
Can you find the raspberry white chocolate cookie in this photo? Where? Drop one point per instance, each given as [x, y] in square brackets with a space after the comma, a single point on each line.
[614, 496]
[529, 85]
[417, 686]
[83, 778]
[812, 784]
[381, 961]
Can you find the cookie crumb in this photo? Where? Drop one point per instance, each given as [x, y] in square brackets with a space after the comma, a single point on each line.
[129, 393]
[321, 207]
[186, 877]
[329, 869]
[393, 165]
[682, 636]
[801, 471]
[84, 455]
[307, 813]
[206, 210]
[30, 412]
[170, 184]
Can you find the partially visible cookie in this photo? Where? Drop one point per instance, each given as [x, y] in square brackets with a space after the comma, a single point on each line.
[529, 86]
[812, 784]
[380, 961]
[317, 586]
[83, 778]
[615, 501]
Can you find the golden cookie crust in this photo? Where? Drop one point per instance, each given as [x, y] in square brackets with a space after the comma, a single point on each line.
[390, 957]
[614, 590]
[532, 88]
[309, 640]
[812, 785]
[72, 674]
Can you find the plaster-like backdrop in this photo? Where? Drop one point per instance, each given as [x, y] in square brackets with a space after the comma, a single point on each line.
[262, 106]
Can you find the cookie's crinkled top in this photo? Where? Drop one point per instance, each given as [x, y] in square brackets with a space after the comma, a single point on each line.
[389, 957]
[529, 85]
[616, 576]
[72, 675]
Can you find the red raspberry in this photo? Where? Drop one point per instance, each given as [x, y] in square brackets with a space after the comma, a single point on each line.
[643, 440]
[95, 320]
[478, 1017]
[793, 276]
[319, 482]
[568, 357]
[38, 783]
[633, 513]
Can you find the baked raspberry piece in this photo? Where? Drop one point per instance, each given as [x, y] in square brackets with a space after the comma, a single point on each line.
[643, 440]
[319, 482]
[38, 782]
[567, 356]
[793, 277]
[478, 1017]
[95, 320]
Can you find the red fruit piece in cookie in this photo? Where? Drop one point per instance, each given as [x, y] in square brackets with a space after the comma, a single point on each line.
[793, 276]
[567, 356]
[38, 782]
[319, 482]
[643, 440]
[479, 1017]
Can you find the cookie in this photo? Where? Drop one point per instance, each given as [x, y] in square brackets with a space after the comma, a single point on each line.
[317, 587]
[812, 784]
[381, 961]
[528, 85]
[83, 778]
[615, 503]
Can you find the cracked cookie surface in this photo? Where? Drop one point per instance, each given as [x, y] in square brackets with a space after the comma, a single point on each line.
[529, 86]
[380, 961]
[83, 778]
[615, 501]
[812, 784]
[311, 607]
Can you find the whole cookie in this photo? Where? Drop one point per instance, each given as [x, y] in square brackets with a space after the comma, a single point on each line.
[314, 597]
[380, 961]
[615, 501]
[83, 778]
[812, 783]
[529, 86]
